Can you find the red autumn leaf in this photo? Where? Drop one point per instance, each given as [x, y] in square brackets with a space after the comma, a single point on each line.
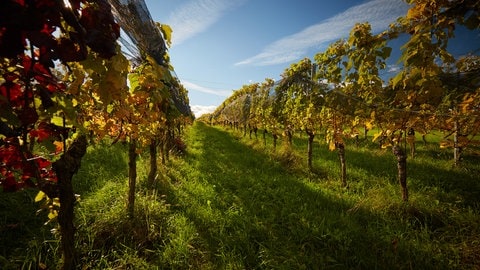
[11, 91]
[9, 184]
[52, 88]
[10, 76]
[102, 31]
[49, 175]
[69, 51]
[28, 116]
[28, 170]
[45, 3]
[12, 159]
[43, 163]
[41, 39]
[48, 28]
[42, 133]
[8, 154]
[27, 64]
[47, 130]
[39, 69]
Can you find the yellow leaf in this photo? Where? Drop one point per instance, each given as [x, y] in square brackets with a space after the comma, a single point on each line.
[369, 124]
[386, 145]
[331, 145]
[412, 13]
[445, 144]
[467, 103]
[167, 32]
[40, 196]
[53, 214]
[110, 108]
[376, 136]
[57, 120]
[56, 202]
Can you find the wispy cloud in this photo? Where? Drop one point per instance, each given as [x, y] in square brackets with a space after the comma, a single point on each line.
[196, 16]
[198, 110]
[379, 13]
[393, 68]
[195, 87]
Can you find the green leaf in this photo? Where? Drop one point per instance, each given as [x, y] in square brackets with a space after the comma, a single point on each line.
[386, 51]
[119, 63]
[8, 116]
[110, 108]
[49, 145]
[395, 80]
[133, 79]
[93, 65]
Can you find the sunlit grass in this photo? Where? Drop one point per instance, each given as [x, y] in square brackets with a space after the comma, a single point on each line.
[232, 203]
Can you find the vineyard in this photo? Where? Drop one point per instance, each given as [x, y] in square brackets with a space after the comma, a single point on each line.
[343, 94]
[229, 202]
[334, 165]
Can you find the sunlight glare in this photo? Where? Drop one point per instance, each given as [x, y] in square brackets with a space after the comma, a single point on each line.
[67, 4]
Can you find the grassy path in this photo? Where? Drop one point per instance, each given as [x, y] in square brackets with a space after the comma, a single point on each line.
[249, 211]
[240, 209]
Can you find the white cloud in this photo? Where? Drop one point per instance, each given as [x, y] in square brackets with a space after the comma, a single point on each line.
[196, 16]
[195, 87]
[379, 13]
[393, 68]
[198, 110]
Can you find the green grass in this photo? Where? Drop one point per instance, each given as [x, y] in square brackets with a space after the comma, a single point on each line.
[291, 218]
[231, 203]
[25, 242]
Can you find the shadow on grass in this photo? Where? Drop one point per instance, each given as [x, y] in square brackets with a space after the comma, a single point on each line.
[23, 235]
[258, 215]
[103, 163]
[421, 173]
[26, 242]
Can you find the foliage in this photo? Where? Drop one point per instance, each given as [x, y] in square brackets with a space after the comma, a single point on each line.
[63, 77]
[34, 101]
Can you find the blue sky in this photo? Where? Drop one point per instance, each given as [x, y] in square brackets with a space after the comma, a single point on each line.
[220, 45]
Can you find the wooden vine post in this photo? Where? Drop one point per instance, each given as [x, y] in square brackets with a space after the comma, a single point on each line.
[132, 176]
[401, 169]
